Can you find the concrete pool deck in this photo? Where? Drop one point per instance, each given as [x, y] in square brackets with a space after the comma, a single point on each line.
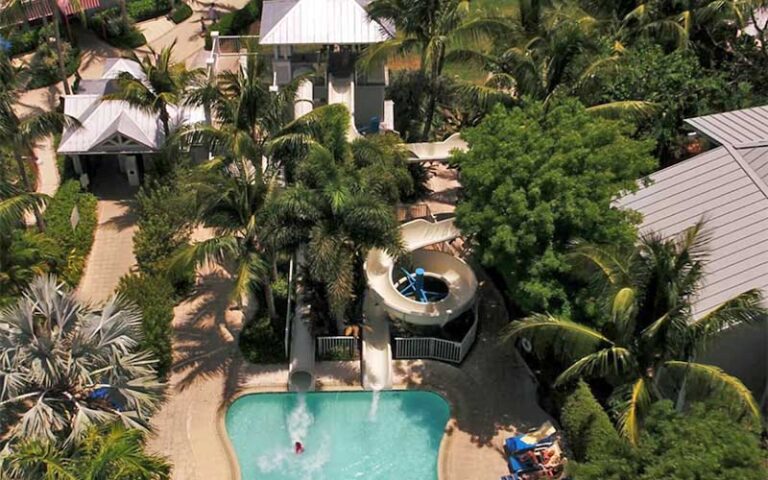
[492, 394]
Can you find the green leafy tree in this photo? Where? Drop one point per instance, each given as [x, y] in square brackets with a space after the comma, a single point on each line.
[109, 452]
[649, 337]
[23, 255]
[703, 443]
[64, 367]
[675, 83]
[537, 178]
[162, 86]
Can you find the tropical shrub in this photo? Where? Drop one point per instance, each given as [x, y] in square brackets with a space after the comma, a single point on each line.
[106, 452]
[154, 296]
[181, 13]
[236, 22]
[110, 26]
[44, 64]
[704, 443]
[260, 343]
[23, 255]
[81, 366]
[26, 38]
[141, 10]
[536, 178]
[165, 217]
[587, 427]
[75, 244]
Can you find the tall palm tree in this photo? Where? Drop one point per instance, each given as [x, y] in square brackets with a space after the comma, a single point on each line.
[342, 203]
[64, 367]
[648, 342]
[233, 203]
[431, 29]
[106, 452]
[245, 115]
[20, 134]
[162, 87]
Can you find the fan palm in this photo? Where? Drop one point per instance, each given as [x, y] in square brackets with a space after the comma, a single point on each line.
[107, 452]
[162, 87]
[430, 29]
[64, 367]
[342, 203]
[651, 335]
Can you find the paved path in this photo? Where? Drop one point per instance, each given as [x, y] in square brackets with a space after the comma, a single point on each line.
[111, 256]
[161, 32]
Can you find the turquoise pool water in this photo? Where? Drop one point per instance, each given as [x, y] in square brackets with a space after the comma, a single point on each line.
[346, 435]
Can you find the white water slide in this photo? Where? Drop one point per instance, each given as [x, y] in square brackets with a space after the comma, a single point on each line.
[436, 151]
[384, 300]
[342, 90]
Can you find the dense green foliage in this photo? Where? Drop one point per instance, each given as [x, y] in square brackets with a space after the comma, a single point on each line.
[74, 244]
[645, 337]
[44, 67]
[164, 221]
[704, 444]
[109, 25]
[141, 10]
[235, 22]
[536, 179]
[108, 452]
[588, 428]
[154, 296]
[23, 254]
[677, 85]
[260, 343]
[181, 12]
[25, 38]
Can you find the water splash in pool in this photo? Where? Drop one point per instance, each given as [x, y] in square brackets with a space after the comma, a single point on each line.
[299, 420]
[374, 404]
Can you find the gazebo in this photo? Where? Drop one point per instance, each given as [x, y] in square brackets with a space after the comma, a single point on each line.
[113, 131]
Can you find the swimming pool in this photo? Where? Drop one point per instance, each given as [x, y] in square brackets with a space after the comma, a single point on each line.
[346, 435]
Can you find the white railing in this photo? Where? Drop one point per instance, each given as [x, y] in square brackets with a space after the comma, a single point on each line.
[436, 348]
[229, 46]
[343, 345]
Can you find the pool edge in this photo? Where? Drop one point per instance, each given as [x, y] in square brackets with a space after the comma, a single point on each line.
[221, 426]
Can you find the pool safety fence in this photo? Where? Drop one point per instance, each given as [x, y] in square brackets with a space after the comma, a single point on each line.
[338, 348]
[436, 348]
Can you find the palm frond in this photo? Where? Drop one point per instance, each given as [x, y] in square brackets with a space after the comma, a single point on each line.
[629, 420]
[612, 361]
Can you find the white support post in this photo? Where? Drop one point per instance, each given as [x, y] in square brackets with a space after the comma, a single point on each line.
[77, 165]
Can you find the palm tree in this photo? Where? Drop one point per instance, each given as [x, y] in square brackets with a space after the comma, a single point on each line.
[432, 29]
[106, 452]
[15, 203]
[162, 87]
[233, 202]
[64, 367]
[648, 342]
[245, 116]
[20, 134]
[342, 203]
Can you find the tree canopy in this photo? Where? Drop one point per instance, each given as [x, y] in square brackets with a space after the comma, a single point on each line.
[536, 178]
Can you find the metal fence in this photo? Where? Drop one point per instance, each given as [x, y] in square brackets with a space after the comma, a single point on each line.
[338, 348]
[436, 348]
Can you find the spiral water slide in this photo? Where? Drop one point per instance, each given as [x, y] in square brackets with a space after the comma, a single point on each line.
[383, 299]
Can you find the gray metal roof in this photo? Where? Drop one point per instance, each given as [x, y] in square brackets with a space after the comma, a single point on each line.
[734, 128]
[726, 187]
[319, 22]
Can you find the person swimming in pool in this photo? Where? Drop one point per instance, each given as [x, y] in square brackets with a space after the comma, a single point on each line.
[298, 448]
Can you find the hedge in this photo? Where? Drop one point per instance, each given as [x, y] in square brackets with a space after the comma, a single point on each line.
[141, 10]
[75, 244]
[588, 428]
[154, 297]
[181, 13]
[109, 26]
[45, 71]
[25, 38]
[236, 22]
[259, 343]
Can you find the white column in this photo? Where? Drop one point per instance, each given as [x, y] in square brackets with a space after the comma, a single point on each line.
[76, 164]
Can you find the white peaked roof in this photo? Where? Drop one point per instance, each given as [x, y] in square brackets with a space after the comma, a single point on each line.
[319, 22]
[727, 188]
[115, 126]
[734, 128]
